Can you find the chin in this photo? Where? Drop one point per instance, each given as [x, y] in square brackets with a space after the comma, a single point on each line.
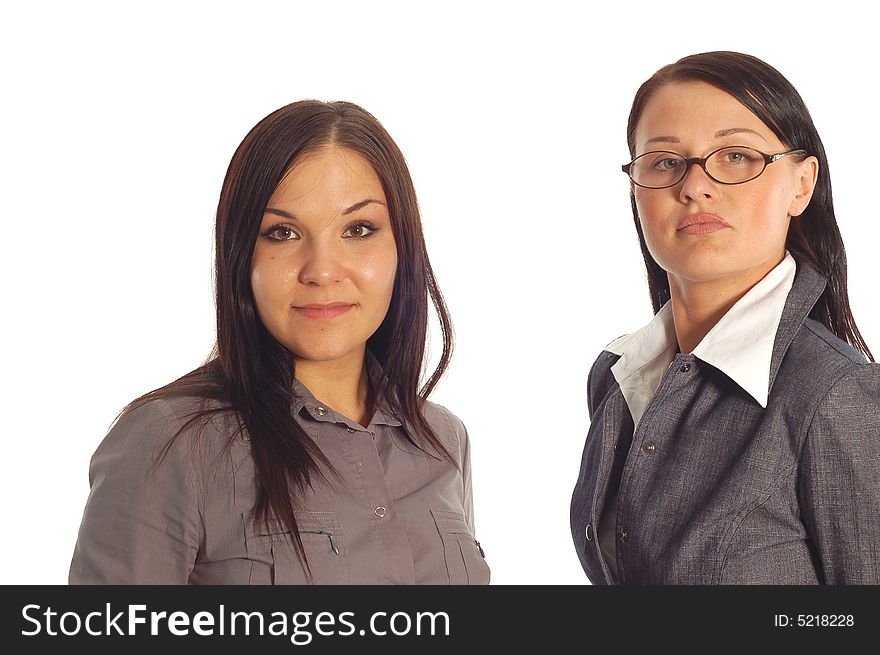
[698, 274]
[707, 270]
[322, 352]
[699, 263]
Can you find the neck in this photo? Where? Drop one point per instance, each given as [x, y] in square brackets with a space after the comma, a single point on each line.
[698, 306]
[342, 384]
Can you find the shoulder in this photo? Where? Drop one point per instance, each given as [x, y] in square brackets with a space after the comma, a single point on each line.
[851, 403]
[144, 425]
[846, 387]
[826, 343]
[601, 379]
[160, 429]
[449, 428]
[158, 416]
[602, 365]
[816, 359]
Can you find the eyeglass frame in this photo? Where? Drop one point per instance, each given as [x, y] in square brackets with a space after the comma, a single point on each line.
[701, 161]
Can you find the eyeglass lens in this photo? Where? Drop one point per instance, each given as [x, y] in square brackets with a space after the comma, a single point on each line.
[728, 165]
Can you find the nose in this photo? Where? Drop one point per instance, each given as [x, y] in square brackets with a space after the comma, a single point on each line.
[322, 263]
[697, 185]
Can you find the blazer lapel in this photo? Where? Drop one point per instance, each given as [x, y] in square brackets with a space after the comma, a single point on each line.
[805, 291]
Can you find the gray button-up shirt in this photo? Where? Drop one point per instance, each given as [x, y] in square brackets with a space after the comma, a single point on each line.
[394, 516]
[713, 488]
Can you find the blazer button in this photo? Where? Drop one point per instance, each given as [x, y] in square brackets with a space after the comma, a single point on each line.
[685, 368]
[649, 447]
[380, 511]
[589, 532]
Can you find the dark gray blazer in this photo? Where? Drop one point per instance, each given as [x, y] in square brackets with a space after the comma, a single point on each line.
[727, 492]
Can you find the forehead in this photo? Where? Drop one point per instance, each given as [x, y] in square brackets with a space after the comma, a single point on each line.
[696, 111]
[331, 174]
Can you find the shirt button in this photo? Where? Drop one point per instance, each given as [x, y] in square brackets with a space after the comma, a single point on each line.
[685, 368]
[589, 532]
[351, 429]
[624, 535]
[650, 447]
[320, 411]
[380, 511]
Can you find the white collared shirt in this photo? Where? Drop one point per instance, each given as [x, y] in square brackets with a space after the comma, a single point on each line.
[740, 345]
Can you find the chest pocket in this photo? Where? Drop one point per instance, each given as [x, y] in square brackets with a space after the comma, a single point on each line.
[273, 555]
[465, 562]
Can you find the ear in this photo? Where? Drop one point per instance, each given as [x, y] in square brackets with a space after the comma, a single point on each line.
[804, 185]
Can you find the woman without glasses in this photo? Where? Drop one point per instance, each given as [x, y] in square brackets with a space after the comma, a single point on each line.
[736, 437]
[304, 449]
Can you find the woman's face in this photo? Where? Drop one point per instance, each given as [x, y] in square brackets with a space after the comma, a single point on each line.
[745, 225]
[325, 259]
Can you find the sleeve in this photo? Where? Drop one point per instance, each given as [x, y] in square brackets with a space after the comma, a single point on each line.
[468, 493]
[838, 479]
[141, 522]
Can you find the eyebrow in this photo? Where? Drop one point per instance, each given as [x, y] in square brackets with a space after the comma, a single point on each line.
[361, 205]
[356, 206]
[736, 130]
[719, 134]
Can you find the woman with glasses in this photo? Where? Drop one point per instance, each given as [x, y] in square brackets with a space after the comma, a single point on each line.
[305, 449]
[735, 439]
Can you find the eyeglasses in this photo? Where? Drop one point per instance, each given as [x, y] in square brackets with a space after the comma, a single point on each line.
[659, 169]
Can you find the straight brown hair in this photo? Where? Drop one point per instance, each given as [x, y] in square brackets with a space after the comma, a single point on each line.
[248, 371]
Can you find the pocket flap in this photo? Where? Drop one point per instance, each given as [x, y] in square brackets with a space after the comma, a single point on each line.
[451, 523]
[306, 522]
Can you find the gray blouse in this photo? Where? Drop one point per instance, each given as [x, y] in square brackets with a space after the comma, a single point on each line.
[393, 516]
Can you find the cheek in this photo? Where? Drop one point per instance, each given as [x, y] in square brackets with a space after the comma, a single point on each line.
[650, 207]
[767, 213]
[378, 273]
[271, 281]
[259, 289]
[647, 203]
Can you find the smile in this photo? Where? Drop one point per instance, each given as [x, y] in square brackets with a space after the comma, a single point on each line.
[317, 312]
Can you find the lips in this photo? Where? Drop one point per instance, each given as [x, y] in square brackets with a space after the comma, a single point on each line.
[702, 223]
[322, 312]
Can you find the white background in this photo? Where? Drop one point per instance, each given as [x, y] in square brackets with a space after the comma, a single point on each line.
[117, 127]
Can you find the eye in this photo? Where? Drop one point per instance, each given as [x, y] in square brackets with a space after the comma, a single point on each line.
[360, 230]
[667, 163]
[281, 233]
[738, 156]
[660, 161]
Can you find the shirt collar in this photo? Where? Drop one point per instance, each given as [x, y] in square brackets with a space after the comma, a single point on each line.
[304, 399]
[644, 358]
[741, 344]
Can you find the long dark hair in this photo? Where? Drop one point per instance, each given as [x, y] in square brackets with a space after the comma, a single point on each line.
[814, 235]
[251, 373]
